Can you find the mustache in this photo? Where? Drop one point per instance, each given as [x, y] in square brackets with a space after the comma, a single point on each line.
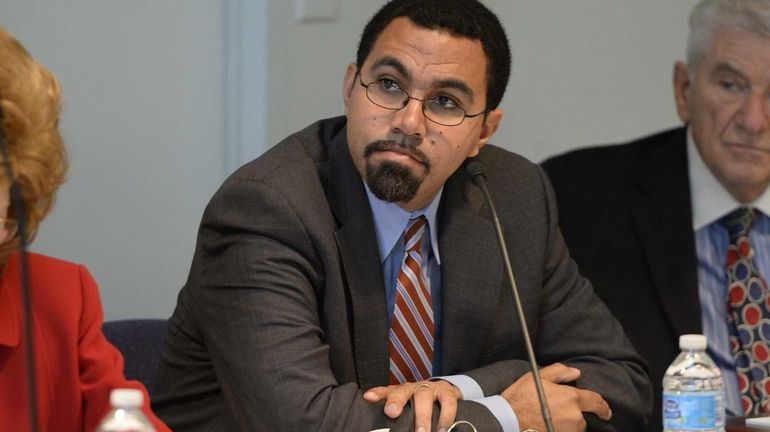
[386, 145]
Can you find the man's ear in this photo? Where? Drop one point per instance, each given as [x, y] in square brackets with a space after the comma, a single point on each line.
[488, 128]
[682, 86]
[348, 83]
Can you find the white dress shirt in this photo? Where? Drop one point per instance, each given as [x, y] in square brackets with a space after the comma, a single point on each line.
[710, 202]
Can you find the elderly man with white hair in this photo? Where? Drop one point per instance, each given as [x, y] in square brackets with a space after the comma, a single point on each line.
[673, 229]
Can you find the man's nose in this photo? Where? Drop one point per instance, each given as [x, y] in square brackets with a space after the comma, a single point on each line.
[752, 116]
[410, 119]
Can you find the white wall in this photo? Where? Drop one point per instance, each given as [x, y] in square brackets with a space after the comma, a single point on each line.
[143, 120]
[163, 98]
[590, 72]
[307, 64]
[584, 72]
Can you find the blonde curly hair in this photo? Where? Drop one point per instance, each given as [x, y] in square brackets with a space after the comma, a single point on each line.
[30, 104]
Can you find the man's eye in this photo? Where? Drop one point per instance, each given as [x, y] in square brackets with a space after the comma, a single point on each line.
[444, 102]
[730, 85]
[389, 85]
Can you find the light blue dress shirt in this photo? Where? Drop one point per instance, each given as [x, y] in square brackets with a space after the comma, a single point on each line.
[710, 202]
[390, 221]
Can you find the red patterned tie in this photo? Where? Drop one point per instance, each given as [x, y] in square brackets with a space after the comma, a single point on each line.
[749, 307]
[410, 341]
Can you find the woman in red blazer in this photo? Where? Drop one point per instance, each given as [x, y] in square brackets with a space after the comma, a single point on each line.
[75, 366]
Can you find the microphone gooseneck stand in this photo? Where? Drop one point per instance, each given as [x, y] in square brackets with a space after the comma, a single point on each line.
[20, 215]
[476, 171]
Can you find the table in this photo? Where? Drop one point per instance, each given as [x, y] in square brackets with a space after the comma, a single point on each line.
[738, 425]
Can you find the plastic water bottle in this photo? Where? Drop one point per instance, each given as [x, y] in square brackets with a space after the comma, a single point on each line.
[126, 414]
[692, 390]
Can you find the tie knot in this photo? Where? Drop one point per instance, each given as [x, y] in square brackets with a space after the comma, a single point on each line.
[738, 222]
[413, 233]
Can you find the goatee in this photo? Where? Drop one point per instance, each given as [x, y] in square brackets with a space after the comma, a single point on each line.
[391, 181]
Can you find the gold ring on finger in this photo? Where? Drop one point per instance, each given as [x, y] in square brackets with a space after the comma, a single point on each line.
[421, 385]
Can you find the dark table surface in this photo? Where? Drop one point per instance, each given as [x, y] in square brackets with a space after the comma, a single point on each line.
[738, 425]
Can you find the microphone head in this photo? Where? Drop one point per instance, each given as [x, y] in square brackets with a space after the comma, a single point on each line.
[476, 170]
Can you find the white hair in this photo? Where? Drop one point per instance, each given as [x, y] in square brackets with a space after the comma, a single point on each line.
[710, 16]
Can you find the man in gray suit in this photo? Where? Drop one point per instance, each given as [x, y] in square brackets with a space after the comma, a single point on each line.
[357, 253]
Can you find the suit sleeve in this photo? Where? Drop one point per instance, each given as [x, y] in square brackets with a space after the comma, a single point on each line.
[253, 289]
[575, 328]
[101, 364]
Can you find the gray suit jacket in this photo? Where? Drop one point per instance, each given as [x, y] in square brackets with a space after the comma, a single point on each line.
[282, 323]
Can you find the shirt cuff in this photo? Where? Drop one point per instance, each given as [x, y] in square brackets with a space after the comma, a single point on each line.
[497, 405]
[468, 386]
[501, 409]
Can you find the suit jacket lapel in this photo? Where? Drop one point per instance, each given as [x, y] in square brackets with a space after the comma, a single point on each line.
[10, 305]
[471, 273]
[470, 259]
[357, 243]
[663, 217]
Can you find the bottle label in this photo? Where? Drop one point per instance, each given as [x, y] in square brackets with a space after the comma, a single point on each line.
[692, 411]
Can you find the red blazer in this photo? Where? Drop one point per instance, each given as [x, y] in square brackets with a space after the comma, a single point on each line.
[76, 366]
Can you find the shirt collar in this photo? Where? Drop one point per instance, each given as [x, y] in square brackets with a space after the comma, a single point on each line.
[710, 200]
[390, 221]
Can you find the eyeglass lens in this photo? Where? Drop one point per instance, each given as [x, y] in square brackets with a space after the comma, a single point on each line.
[433, 108]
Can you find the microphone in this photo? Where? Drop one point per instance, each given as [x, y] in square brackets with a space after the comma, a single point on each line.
[476, 171]
[25, 287]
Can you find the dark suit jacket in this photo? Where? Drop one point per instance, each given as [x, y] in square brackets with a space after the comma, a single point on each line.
[283, 319]
[626, 217]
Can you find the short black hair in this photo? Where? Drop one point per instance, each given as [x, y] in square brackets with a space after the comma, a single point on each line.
[466, 18]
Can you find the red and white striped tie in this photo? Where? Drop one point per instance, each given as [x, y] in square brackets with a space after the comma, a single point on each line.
[410, 341]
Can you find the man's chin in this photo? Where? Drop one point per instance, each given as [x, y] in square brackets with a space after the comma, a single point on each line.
[392, 182]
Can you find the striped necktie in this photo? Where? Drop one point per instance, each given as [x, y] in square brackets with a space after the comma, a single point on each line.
[410, 341]
[749, 307]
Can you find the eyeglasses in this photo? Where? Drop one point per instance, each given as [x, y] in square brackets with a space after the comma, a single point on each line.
[10, 227]
[441, 109]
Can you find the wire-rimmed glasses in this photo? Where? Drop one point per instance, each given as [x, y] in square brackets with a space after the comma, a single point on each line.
[386, 93]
